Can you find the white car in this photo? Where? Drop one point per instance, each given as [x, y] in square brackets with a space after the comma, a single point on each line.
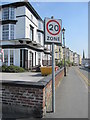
[86, 65]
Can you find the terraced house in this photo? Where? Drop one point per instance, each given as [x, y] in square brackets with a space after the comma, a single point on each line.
[22, 36]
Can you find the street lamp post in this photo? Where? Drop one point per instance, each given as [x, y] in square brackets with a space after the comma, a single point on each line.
[63, 31]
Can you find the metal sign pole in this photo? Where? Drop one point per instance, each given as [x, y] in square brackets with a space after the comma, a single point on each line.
[53, 35]
[53, 79]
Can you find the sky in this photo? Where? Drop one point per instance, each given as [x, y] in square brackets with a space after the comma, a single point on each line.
[74, 17]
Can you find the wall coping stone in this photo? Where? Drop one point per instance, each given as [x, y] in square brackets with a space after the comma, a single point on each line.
[40, 84]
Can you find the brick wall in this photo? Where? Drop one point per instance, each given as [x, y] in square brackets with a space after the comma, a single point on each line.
[25, 97]
[58, 78]
[29, 98]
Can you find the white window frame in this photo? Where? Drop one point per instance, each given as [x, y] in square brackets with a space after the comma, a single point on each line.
[11, 57]
[11, 32]
[6, 57]
[5, 31]
[5, 12]
[9, 12]
[39, 38]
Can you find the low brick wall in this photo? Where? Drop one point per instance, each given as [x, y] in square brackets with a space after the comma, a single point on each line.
[28, 98]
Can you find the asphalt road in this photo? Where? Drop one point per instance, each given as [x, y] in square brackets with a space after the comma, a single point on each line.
[85, 71]
[71, 96]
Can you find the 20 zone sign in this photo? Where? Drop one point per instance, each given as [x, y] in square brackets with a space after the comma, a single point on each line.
[52, 30]
[53, 27]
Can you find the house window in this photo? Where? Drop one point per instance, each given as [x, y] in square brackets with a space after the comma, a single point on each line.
[12, 13]
[1, 55]
[31, 33]
[39, 58]
[39, 38]
[11, 57]
[39, 25]
[8, 31]
[8, 13]
[5, 32]
[6, 57]
[5, 13]
[12, 31]
[39, 55]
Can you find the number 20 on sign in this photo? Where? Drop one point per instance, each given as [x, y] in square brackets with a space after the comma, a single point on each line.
[53, 31]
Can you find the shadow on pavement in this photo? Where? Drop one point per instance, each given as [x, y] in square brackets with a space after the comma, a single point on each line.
[15, 116]
[37, 75]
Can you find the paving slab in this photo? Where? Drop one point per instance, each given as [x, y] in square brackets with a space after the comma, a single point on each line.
[25, 76]
[71, 97]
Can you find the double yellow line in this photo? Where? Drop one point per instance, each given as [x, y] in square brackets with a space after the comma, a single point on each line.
[84, 77]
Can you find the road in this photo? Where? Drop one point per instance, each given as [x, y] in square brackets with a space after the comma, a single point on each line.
[72, 96]
[86, 73]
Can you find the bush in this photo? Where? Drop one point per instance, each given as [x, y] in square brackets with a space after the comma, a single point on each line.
[12, 68]
[3, 68]
[59, 64]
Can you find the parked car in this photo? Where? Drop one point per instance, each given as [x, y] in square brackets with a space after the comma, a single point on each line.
[86, 65]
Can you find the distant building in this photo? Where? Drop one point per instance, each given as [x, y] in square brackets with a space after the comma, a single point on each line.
[58, 53]
[75, 58]
[71, 56]
[61, 53]
[79, 59]
[66, 53]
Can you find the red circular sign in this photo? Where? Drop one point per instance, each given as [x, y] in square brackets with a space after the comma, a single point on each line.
[57, 24]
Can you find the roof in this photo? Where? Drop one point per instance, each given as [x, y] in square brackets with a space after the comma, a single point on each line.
[27, 4]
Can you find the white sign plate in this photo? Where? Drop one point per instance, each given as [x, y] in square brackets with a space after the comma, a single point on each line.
[53, 31]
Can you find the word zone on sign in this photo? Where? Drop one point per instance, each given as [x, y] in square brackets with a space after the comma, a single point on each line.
[53, 38]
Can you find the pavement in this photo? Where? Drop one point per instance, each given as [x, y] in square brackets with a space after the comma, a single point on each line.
[71, 97]
[25, 76]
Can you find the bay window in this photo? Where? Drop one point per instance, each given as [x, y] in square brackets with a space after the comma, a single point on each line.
[5, 32]
[12, 13]
[8, 13]
[6, 57]
[11, 57]
[8, 31]
[12, 31]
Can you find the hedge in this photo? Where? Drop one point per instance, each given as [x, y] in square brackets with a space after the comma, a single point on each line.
[12, 68]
